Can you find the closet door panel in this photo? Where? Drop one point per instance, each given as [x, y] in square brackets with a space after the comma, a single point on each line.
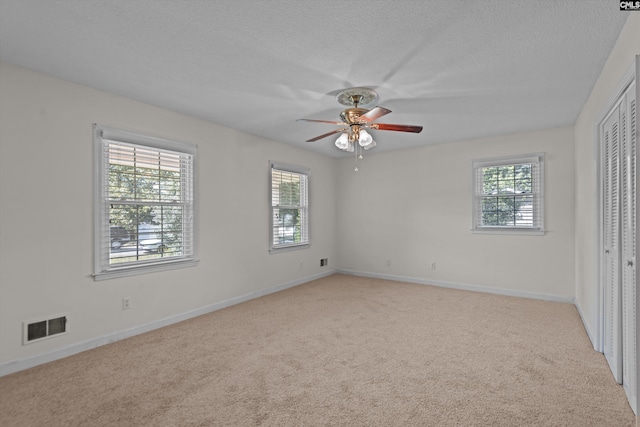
[611, 241]
[628, 177]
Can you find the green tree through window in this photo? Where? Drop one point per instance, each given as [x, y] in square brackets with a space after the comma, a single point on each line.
[507, 198]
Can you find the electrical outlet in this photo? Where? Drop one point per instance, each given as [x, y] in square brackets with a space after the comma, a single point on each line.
[388, 263]
[126, 303]
[324, 262]
[433, 265]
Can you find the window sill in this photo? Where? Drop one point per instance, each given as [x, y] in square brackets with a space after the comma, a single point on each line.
[510, 231]
[143, 269]
[293, 247]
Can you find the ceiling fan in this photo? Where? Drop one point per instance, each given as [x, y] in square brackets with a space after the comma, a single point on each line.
[355, 120]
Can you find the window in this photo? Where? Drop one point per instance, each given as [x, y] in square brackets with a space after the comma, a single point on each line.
[508, 194]
[289, 210]
[144, 203]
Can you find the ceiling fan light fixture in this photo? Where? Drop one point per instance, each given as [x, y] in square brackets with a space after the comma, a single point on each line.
[343, 142]
[350, 148]
[373, 144]
[365, 140]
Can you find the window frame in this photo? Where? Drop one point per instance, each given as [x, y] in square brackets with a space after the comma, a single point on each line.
[301, 170]
[537, 160]
[102, 268]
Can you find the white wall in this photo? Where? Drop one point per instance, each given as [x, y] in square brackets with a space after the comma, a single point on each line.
[46, 214]
[620, 59]
[413, 207]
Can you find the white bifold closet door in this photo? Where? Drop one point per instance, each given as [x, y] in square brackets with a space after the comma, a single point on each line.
[611, 239]
[619, 235]
[628, 195]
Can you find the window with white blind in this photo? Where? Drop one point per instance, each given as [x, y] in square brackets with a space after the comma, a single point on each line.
[508, 194]
[289, 208]
[144, 197]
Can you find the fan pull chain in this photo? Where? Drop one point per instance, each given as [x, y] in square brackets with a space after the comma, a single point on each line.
[356, 153]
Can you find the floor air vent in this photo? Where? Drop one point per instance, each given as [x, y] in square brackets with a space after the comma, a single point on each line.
[44, 328]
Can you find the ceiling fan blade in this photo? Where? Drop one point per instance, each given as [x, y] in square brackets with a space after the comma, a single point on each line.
[320, 121]
[373, 114]
[324, 135]
[400, 128]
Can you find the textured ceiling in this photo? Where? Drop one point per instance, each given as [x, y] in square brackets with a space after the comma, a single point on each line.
[462, 69]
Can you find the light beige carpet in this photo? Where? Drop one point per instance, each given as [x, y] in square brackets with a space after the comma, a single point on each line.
[344, 351]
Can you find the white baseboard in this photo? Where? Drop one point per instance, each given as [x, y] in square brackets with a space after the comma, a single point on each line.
[22, 364]
[461, 286]
[586, 327]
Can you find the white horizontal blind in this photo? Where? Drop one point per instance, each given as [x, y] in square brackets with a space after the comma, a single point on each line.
[508, 194]
[289, 207]
[146, 203]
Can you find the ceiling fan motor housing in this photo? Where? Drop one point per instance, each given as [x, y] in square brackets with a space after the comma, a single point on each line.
[351, 115]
